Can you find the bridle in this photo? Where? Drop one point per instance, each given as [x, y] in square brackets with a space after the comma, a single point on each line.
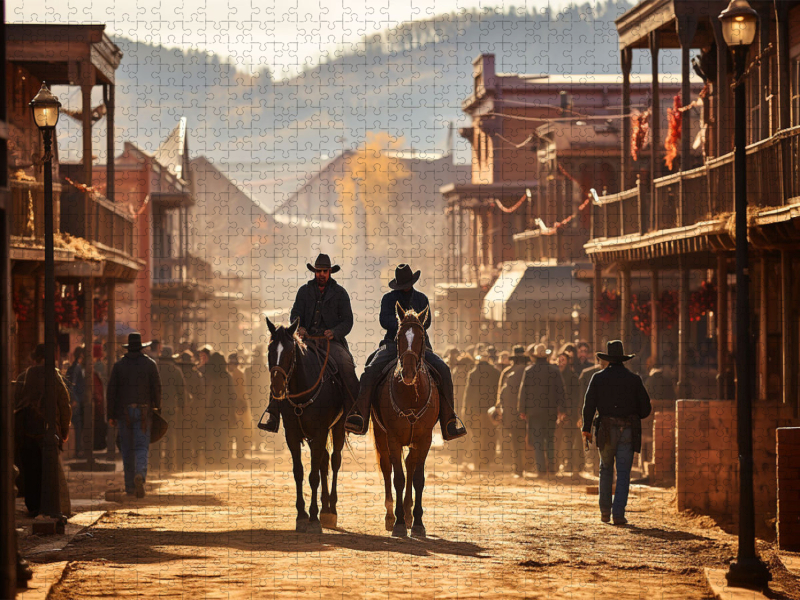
[284, 394]
[418, 362]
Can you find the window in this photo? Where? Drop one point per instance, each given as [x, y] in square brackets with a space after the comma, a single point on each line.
[795, 90]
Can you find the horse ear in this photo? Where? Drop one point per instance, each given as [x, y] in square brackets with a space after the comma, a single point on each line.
[271, 327]
[399, 312]
[425, 315]
[293, 327]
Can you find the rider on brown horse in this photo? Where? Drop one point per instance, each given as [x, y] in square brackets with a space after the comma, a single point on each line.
[323, 307]
[408, 298]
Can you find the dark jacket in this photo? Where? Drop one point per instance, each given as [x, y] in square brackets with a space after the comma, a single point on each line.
[585, 378]
[572, 394]
[541, 394]
[508, 393]
[411, 299]
[336, 312]
[134, 380]
[481, 391]
[29, 395]
[173, 386]
[616, 392]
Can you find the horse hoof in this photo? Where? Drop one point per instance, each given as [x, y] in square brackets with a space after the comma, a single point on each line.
[418, 531]
[328, 520]
[389, 523]
[314, 527]
[301, 525]
[400, 530]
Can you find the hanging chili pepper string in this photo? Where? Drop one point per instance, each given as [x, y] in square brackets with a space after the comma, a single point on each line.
[513, 208]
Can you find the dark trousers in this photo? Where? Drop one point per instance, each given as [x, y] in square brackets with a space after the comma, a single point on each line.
[378, 362]
[30, 457]
[542, 438]
[513, 449]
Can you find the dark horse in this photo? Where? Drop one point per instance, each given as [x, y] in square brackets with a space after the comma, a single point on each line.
[311, 406]
[405, 414]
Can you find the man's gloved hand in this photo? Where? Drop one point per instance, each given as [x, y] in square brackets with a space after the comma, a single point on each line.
[587, 435]
[301, 331]
[328, 334]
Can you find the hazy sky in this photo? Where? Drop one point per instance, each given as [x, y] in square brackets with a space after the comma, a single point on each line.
[285, 35]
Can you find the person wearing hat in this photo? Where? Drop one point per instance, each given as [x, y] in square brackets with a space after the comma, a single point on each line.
[507, 395]
[540, 400]
[173, 402]
[194, 408]
[323, 308]
[134, 391]
[404, 294]
[620, 400]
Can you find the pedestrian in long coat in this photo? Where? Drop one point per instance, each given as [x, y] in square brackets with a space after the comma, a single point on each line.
[241, 418]
[194, 409]
[220, 396]
[541, 398]
[570, 420]
[507, 399]
[620, 400]
[29, 424]
[173, 402]
[479, 396]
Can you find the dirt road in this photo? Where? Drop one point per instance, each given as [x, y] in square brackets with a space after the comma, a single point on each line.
[230, 534]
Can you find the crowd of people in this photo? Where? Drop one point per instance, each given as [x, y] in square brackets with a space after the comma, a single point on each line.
[523, 407]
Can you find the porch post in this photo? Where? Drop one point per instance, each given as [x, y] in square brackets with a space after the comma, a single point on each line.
[722, 325]
[763, 358]
[625, 302]
[686, 26]
[626, 55]
[111, 354]
[87, 443]
[655, 292]
[684, 335]
[109, 102]
[86, 106]
[784, 74]
[655, 127]
[723, 126]
[787, 355]
[596, 288]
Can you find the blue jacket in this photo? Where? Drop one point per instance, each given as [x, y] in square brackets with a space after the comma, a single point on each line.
[411, 299]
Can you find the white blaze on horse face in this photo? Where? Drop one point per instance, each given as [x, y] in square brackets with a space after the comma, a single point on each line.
[280, 351]
[410, 337]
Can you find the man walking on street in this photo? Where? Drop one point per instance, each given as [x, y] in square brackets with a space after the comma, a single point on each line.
[514, 426]
[173, 396]
[134, 391]
[541, 399]
[76, 380]
[621, 401]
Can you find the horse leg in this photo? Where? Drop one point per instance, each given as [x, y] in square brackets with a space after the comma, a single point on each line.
[332, 519]
[418, 529]
[323, 476]
[297, 468]
[411, 463]
[396, 454]
[382, 449]
[314, 525]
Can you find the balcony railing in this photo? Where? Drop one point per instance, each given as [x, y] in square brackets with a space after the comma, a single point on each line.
[690, 197]
[111, 224]
[533, 245]
[169, 271]
[27, 202]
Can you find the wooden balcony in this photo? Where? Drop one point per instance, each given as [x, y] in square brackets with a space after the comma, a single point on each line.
[689, 210]
[27, 208]
[566, 246]
[110, 224]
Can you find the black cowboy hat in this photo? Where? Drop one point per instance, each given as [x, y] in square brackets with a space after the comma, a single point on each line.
[404, 279]
[135, 342]
[518, 350]
[615, 353]
[323, 262]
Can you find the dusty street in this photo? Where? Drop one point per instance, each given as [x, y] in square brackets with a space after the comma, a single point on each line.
[231, 534]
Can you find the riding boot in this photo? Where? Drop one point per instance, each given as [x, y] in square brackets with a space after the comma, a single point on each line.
[274, 421]
[452, 427]
[358, 420]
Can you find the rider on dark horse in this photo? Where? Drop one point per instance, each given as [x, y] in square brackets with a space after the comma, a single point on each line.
[323, 307]
[408, 298]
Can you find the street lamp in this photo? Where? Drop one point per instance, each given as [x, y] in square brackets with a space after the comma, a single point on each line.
[45, 108]
[739, 24]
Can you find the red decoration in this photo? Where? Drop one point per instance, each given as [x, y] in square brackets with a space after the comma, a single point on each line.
[668, 308]
[675, 118]
[608, 307]
[67, 309]
[640, 313]
[640, 129]
[703, 301]
[23, 303]
[100, 310]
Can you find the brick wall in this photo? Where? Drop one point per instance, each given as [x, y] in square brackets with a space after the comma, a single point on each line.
[663, 471]
[707, 464]
[788, 449]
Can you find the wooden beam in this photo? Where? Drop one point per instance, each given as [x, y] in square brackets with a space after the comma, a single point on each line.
[625, 306]
[655, 292]
[684, 336]
[761, 299]
[655, 127]
[86, 94]
[763, 72]
[722, 94]
[784, 61]
[87, 443]
[626, 56]
[686, 27]
[111, 342]
[597, 285]
[788, 356]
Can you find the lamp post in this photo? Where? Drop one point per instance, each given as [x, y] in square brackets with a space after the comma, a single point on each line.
[739, 23]
[45, 108]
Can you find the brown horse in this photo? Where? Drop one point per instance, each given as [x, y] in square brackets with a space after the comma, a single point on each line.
[404, 416]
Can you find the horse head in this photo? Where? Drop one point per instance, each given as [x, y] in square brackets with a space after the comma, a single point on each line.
[410, 342]
[282, 357]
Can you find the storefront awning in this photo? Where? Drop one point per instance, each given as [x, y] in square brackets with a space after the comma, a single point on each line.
[526, 291]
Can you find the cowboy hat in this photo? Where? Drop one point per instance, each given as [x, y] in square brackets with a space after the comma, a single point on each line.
[615, 353]
[404, 279]
[518, 350]
[540, 351]
[135, 342]
[323, 262]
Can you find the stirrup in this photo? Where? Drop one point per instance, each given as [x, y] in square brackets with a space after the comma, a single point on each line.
[354, 423]
[272, 424]
[458, 431]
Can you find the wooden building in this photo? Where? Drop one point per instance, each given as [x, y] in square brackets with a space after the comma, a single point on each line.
[540, 143]
[679, 224]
